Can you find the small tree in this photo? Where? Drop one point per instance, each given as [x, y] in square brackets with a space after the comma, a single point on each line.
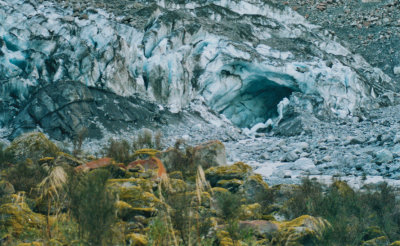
[93, 205]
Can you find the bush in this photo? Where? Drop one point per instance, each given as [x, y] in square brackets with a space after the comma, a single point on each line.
[351, 213]
[25, 176]
[146, 140]
[5, 157]
[93, 205]
[120, 151]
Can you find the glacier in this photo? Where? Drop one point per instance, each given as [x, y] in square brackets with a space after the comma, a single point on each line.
[241, 58]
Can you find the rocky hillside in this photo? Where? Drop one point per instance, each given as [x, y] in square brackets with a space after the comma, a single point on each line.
[369, 28]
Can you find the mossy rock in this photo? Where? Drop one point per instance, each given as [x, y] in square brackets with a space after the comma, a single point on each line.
[144, 184]
[224, 238]
[209, 154]
[218, 190]
[250, 211]
[254, 186]
[372, 232]
[175, 186]
[31, 244]
[232, 185]
[142, 202]
[18, 218]
[343, 188]
[395, 243]
[146, 152]
[34, 145]
[379, 241]
[304, 230]
[67, 159]
[6, 188]
[238, 171]
[136, 239]
[176, 175]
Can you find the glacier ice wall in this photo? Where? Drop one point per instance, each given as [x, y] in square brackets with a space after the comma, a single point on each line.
[241, 57]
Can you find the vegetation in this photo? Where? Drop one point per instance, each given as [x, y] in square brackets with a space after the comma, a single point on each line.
[52, 199]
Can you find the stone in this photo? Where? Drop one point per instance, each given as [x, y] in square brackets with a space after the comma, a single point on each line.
[209, 154]
[290, 156]
[304, 164]
[6, 188]
[260, 227]
[383, 156]
[238, 171]
[396, 70]
[33, 145]
[304, 230]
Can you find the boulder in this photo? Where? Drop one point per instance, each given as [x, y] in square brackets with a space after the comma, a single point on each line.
[34, 145]
[151, 163]
[136, 239]
[19, 218]
[253, 186]
[261, 228]
[209, 154]
[6, 188]
[238, 171]
[304, 230]
[383, 156]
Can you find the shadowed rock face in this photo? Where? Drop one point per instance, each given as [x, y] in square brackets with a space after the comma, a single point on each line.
[241, 57]
[65, 107]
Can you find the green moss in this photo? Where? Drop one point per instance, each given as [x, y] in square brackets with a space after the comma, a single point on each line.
[136, 239]
[395, 243]
[238, 170]
[379, 241]
[250, 211]
[18, 218]
[302, 230]
[145, 184]
[231, 185]
[34, 145]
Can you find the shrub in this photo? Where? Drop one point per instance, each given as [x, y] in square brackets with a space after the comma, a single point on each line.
[93, 205]
[5, 157]
[25, 176]
[120, 151]
[351, 213]
[146, 139]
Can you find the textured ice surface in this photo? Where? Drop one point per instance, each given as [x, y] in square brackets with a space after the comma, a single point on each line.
[242, 57]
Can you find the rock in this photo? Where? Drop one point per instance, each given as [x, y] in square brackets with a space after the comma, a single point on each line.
[136, 239]
[396, 70]
[290, 157]
[153, 163]
[354, 140]
[237, 171]
[136, 197]
[382, 240]
[232, 184]
[33, 145]
[396, 150]
[383, 156]
[304, 164]
[103, 162]
[396, 139]
[18, 218]
[254, 186]
[64, 158]
[6, 188]
[260, 227]
[250, 211]
[209, 154]
[303, 146]
[304, 230]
